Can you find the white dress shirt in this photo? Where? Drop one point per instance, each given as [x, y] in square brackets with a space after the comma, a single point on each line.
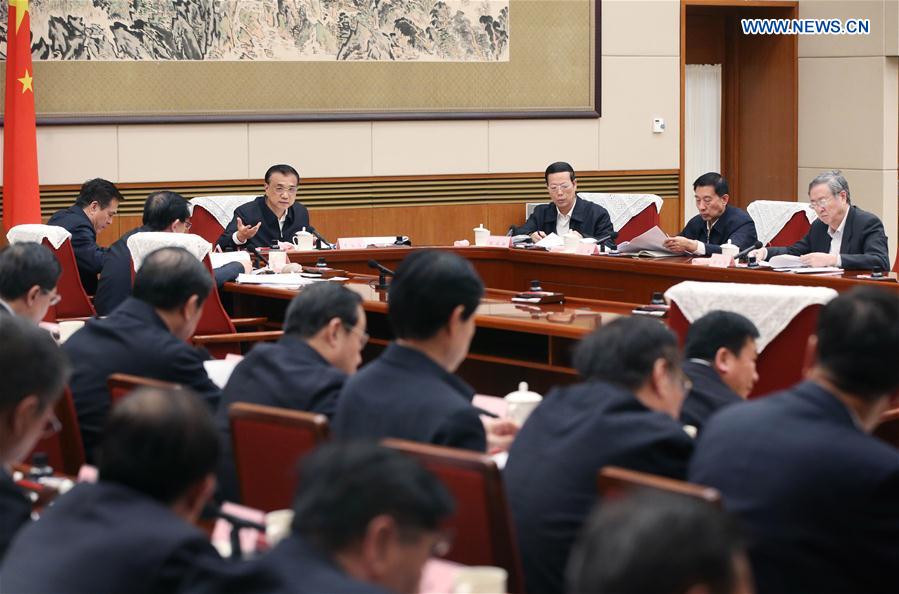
[563, 222]
[836, 239]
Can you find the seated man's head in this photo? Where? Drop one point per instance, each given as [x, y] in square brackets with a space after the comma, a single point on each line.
[829, 195]
[561, 182]
[163, 444]
[640, 355]
[167, 211]
[34, 372]
[281, 183]
[176, 284]
[712, 195]
[374, 511]
[432, 299]
[726, 341]
[28, 276]
[330, 318]
[857, 341]
[659, 543]
[100, 200]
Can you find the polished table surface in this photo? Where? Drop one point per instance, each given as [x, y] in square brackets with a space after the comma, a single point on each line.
[602, 277]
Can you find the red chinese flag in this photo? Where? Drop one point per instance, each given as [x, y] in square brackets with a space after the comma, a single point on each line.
[21, 195]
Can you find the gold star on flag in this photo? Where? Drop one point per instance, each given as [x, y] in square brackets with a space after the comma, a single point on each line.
[21, 7]
[26, 82]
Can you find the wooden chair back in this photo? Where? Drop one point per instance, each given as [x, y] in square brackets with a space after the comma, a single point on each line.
[122, 384]
[482, 523]
[268, 443]
[614, 482]
[74, 303]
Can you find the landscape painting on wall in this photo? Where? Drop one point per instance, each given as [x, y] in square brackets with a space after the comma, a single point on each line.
[268, 30]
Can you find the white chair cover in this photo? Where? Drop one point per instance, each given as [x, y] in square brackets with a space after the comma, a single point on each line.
[621, 207]
[770, 307]
[143, 244]
[770, 216]
[221, 207]
[37, 233]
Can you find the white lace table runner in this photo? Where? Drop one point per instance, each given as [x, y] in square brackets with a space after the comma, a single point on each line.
[37, 233]
[770, 216]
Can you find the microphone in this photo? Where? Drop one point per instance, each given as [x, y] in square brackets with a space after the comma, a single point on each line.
[608, 237]
[320, 238]
[744, 253]
[383, 273]
[259, 255]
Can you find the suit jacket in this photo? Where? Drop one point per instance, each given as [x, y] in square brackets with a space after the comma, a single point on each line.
[15, 510]
[733, 224]
[287, 374]
[709, 393]
[256, 211]
[816, 494]
[116, 280]
[106, 538]
[864, 244]
[551, 472]
[406, 395]
[88, 254]
[587, 218]
[133, 339]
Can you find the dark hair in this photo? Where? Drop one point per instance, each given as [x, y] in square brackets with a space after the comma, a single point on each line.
[624, 351]
[858, 338]
[30, 363]
[283, 170]
[316, 305]
[99, 190]
[718, 329]
[343, 486]
[427, 287]
[559, 167]
[159, 442]
[655, 543]
[169, 276]
[713, 179]
[163, 208]
[24, 265]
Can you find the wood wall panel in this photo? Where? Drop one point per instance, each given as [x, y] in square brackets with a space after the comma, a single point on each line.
[342, 222]
[669, 216]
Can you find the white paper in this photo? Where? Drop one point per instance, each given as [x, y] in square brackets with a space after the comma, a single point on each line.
[651, 241]
[219, 370]
[293, 278]
[819, 270]
[219, 259]
[551, 240]
[785, 261]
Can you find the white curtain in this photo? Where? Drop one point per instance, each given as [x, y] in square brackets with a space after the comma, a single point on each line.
[702, 135]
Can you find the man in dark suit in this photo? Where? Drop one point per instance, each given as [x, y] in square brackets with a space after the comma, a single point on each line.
[366, 519]
[410, 392]
[163, 211]
[720, 355]
[146, 336]
[844, 235]
[34, 373]
[624, 414]
[274, 216]
[92, 212]
[816, 493]
[324, 334]
[567, 213]
[29, 273]
[717, 221]
[131, 531]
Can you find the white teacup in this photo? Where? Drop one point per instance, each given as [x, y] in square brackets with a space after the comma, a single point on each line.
[68, 328]
[730, 249]
[571, 240]
[521, 403]
[480, 235]
[277, 260]
[480, 580]
[303, 240]
[277, 525]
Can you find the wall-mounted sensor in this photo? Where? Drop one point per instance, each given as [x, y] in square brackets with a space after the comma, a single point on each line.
[658, 125]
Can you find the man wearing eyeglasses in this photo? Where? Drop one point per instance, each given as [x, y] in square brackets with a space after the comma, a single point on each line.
[324, 334]
[567, 213]
[717, 222]
[274, 216]
[844, 235]
[28, 276]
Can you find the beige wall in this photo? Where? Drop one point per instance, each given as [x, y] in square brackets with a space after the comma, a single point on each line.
[640, 46]
[849, 105]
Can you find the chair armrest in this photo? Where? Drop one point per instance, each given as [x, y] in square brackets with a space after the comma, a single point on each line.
[243, 322]
[263, 336]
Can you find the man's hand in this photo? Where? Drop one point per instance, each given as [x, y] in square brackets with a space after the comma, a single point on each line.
[681, 244]
[759, 254]
[816, 259]
[500, 433]
[245, 232]
[537, 236]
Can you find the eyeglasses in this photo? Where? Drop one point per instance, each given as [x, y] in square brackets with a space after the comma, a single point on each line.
[52, 427]
[187, 224]
[820, 203]
[55, 297]
[563, 187]
[279, 189]
[363, 336]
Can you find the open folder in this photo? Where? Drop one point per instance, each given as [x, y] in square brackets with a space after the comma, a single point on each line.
[650, 244]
